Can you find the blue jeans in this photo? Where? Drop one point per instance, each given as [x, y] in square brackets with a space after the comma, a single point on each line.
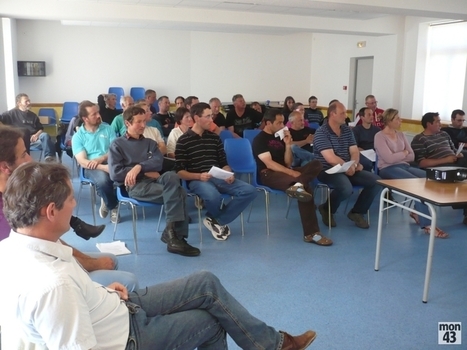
[106, 277]
[301, 156]
[342, 188]
[194, 312]
[405, 171]
[104, 186]
[45, 143]
[211, 193]
[366, 163]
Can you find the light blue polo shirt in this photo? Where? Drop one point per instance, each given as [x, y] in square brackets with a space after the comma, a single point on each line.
[96, 144]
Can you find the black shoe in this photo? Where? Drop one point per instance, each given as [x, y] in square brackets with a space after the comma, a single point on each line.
[85, 230]
[180, 245]
[165, 237]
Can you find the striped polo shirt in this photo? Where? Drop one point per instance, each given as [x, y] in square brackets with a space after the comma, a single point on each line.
[325, 139]
[432, 146]
[197, 154]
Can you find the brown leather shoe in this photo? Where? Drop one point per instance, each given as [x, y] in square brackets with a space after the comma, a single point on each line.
[299, 342]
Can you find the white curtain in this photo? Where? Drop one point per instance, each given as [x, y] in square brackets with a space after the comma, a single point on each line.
[446, 69]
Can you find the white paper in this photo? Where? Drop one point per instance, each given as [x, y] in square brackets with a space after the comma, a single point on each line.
[219, 173]
[116, 248]
[354, 123]
[370, 154]
[461, 147]
[280, 133]
[340, 168]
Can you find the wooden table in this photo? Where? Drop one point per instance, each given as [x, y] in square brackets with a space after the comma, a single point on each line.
[428, 192]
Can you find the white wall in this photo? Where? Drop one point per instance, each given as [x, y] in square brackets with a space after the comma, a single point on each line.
[84, 61]
[330, 67]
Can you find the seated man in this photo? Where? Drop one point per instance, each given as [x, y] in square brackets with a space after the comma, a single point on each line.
[136, 163]
[90, 146]
[196, 152]
[302, 139]
[364, 134]
[179, 102]
[117, 124]
[100, 266]
[371, 103]
[150, 131]
[164, 116]
[150, 97]
[334, 144]
[434, 147]
[273, 159]
[107, 107]
[456, 130]
[313, 114]
[54, 302]
[191, 101]
[23, 118]
[217, 117]
[241, 117]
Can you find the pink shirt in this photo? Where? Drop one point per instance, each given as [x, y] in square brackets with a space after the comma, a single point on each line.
[391, 152]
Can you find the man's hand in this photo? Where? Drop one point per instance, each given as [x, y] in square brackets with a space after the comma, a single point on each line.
[287, 138]
[294, 173]
[92, 164]
[451, 159]
[309, 138]
[230, 180]
[104, 263]
[350, 171]
[359, 167]
[460, 155]
[204, 177]
[120, 289]
[34, 137]
[152, 174]
[130, 178]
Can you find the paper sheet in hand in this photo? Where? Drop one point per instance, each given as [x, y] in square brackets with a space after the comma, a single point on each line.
[354, 123]
[461, 147]
[280, 133]
[219, 173]
[116, 248]
[370, 154]
[340, 168]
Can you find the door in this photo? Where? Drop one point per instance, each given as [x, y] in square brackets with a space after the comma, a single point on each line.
[363, 82]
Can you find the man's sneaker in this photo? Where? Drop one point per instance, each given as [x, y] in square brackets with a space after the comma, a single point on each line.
[180, 246]
[358, 219]
[216, 229]
[103, 211]
[114, 217]
[325, 216]
[225, 231]
[50, 159]
[299, 193]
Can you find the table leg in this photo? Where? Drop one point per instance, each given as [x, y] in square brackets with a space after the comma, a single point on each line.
[429, 258]
[380, 226]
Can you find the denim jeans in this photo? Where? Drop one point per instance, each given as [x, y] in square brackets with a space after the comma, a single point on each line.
[104, 186]
[366, 163]
[211, 192]
[194, 312]
[301, 156]
[45, 143]
[106, 277]
[342, 188]
[405, 171]
[166, 189]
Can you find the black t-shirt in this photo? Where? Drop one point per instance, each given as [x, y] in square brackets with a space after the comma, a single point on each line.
[167, 121]
[302, 134]
[457, 135]
[265, 142]
[249, 120]
[220, 120]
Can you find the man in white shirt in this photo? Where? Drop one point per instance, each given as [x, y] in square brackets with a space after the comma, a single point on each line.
[53, 301]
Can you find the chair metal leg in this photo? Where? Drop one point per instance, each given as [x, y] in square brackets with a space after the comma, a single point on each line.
[266, 196]
[288, 208]
[93, 202]
[79, 198]
[241, 220]
[199, 225]
[160, 217]
[144, 213]
[115, 224]
[133, 213]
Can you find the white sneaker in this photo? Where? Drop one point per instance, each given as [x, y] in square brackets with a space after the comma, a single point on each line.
[225, 231]
[103, 211]
[50, 159]
[215, 228]
[114, 217]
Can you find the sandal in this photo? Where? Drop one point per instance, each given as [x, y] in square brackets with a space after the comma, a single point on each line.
[317, 238]
[438, 234]
[415, 217]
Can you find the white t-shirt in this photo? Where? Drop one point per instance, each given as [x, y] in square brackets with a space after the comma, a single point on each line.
[54, 302]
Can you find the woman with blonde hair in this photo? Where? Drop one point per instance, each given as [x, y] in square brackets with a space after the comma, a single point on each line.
[394, 155]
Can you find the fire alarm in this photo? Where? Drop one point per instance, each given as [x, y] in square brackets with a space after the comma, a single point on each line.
[344, 87]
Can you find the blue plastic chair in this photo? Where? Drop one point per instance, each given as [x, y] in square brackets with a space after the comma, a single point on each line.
[119, 92]
[225, 134]
[87, 182]
[48, 112]
[137, 93]
[125, 199]
[250, 134]
[70, 109]
[314, 126]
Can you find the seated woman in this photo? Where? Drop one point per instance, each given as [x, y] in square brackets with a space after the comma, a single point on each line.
[394, 154]
[183, 122]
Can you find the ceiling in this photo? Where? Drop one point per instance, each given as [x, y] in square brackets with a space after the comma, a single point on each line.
[375, 17]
